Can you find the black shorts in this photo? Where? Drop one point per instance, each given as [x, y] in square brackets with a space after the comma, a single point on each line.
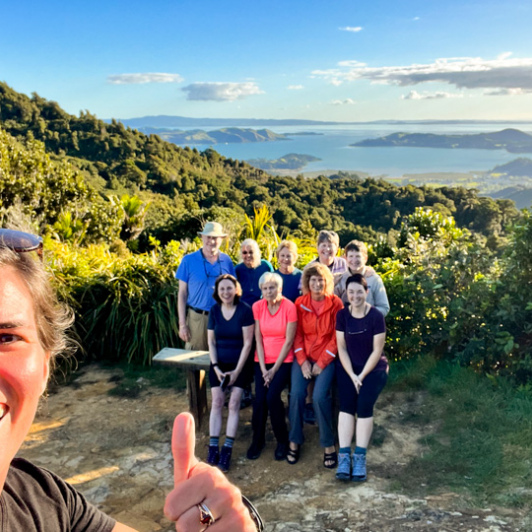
[244, 379]
[362, 403]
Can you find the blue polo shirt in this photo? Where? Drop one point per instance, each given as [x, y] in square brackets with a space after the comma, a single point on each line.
[200, 276]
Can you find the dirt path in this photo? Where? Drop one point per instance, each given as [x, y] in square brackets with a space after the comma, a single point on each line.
[117, 451]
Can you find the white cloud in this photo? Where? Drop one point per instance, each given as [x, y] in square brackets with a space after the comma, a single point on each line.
[146, 77]
[219, 91]
[295, 87]
[354, 29]
[415, 18]
[462, 72]
[414, 95]
[507, 92]
[347, 101]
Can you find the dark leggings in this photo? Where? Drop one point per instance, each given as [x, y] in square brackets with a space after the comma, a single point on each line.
[362, 403]
[269, 399]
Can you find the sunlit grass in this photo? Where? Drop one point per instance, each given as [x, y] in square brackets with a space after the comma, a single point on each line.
[481, 445]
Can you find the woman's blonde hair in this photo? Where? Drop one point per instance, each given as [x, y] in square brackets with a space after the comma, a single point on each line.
[320, 270]
[266, 277]
[249, 242]
[290, 246]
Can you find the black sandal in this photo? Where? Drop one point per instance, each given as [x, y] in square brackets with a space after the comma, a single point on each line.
[294, 455]
[330, 457]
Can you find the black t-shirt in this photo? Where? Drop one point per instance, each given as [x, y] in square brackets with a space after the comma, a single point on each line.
[228, 333]
[359, 333]
[36, 500]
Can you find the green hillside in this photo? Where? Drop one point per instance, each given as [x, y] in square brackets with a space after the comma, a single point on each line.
[184, 185]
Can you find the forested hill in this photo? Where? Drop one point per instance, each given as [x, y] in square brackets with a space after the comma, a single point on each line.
[183, 184]
[511, 140]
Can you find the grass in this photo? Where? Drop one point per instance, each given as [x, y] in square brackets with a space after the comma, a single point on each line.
[481, 445]
[137, 377]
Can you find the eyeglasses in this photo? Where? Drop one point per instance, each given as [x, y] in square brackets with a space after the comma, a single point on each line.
[247, 252]
[21, 242]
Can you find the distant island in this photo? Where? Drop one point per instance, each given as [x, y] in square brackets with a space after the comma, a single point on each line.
[228, 135]
[290, 161]
[511, 140]
[521, 167]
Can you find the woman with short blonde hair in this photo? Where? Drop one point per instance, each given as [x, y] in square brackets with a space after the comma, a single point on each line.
[286, 258]
[275, 328]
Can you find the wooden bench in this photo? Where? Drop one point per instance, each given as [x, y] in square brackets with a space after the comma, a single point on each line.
[197, 363]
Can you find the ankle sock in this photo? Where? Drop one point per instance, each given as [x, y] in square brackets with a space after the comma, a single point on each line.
[345, 450]
[360, 450]
[229, 442]
[214, 441]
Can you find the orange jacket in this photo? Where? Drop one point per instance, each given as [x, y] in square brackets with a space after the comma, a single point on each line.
[316, 335]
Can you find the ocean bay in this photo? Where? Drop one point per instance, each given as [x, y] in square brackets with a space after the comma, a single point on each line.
[331, 145]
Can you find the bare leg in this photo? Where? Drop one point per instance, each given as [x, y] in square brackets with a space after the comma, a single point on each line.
[234, 412]
[346, 429]
[215, 419]
[363, 431]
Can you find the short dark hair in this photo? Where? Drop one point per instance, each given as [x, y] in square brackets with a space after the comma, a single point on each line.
[357, 278]
[231, 278]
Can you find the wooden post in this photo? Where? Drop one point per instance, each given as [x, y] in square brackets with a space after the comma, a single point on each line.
[197, 395]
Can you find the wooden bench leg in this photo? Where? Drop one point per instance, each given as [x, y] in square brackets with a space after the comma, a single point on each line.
[197, 395]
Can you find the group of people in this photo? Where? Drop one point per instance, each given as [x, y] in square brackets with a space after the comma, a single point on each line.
[335, 330]
[288, 329]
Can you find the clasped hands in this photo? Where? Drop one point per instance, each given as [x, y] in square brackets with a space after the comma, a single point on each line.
[310, 370]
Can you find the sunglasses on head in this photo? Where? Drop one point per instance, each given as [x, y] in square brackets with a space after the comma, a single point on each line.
[21, 242]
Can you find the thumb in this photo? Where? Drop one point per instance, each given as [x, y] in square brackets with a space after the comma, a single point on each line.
[183, 444]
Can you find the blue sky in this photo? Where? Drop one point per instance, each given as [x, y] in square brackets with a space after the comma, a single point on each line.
[323, 60]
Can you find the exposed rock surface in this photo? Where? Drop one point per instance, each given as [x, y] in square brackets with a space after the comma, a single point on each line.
[117, 452]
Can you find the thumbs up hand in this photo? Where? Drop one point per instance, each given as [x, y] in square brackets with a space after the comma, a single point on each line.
[196, 483]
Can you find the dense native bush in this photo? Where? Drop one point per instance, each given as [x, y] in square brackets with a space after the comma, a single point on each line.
[449, 294]
[125, 304]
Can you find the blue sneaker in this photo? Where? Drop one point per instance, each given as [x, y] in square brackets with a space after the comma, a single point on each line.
[359, 468]
[225, 459]
[214, 455]
[343, 472]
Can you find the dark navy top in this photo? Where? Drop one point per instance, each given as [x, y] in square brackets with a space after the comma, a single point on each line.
[359, 333]
[228, 333]
[291, 283]
[249, 280]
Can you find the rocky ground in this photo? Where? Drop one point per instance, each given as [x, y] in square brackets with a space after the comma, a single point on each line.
[116, 450]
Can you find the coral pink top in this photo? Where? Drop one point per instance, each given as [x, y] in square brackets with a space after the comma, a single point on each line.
[273, 328]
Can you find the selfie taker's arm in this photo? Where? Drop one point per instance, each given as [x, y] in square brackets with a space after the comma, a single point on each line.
[196, 483]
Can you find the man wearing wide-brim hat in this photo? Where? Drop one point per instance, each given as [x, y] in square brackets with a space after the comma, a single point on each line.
[197, 274]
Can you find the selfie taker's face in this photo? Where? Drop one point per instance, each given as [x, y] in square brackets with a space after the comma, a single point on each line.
[24, 365]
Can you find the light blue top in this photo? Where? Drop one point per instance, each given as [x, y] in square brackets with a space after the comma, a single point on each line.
[200, 276]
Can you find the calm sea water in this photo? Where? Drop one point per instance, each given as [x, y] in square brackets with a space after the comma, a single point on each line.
[332, 147]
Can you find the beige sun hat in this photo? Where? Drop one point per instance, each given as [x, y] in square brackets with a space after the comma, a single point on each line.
[213, 229]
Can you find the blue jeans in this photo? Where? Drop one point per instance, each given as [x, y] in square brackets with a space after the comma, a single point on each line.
[322, 404]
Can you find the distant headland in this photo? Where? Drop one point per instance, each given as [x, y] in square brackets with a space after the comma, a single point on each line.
[228, 135]
[511, 140]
